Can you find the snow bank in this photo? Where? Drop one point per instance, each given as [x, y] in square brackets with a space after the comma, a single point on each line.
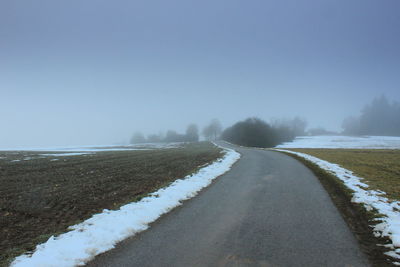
[390, 222]
[102, 231]
[371, 142]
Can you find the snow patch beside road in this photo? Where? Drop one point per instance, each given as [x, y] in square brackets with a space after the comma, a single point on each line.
[371, 199]
[102, 231]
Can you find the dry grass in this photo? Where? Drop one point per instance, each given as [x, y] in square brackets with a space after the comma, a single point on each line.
[380, 168]
[357, 217]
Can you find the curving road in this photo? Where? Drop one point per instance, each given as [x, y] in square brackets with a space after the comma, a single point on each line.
[269, 210]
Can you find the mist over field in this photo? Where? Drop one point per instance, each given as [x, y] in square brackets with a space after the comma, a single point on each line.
[95, 72]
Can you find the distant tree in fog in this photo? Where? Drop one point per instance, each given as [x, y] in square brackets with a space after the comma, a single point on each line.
[299, 126]
[289, 128]
[213, 130]
[255, 132]
[252, 132]
[320, 131]
[154, 138]
[380, 117]
[173, 136]
[351, 125]
[284, 133]
[138, 138]
[192, 133]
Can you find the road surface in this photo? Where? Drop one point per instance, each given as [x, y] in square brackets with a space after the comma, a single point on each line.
[269, 210]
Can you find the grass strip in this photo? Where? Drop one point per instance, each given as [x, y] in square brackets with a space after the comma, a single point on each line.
[380, 168]
[356, 216]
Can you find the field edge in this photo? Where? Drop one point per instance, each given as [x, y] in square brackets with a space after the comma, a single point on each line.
[215, 168]
[355, 215]
[18, 251]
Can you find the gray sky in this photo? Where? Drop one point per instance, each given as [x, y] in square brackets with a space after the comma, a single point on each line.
[93, 71]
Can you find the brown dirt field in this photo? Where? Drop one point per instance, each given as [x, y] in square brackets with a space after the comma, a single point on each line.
[40, 197]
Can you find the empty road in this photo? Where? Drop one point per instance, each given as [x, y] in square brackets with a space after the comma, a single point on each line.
[269, 210]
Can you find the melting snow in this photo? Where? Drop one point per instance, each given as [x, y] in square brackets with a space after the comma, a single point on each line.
[102, 231]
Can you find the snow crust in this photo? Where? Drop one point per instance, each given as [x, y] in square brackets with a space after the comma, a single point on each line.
[389, 225]
[371, 142]
[102, 231]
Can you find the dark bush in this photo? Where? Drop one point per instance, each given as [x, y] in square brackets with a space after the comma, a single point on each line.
[254, 132]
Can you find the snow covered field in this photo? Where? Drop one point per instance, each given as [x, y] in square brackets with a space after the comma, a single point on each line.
[371, 199]
[368, 142]
[102, 231]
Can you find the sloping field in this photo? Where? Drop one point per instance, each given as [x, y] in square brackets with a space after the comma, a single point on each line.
[379, 168]
[373, 178]
[42, 196]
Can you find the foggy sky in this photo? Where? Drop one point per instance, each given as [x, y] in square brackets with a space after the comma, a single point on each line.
[94, 71]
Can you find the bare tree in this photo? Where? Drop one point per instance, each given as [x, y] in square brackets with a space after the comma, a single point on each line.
[213, 130]
[192, 133]
[154, 138]
[138, 138]
[172, 136]
[299, 126]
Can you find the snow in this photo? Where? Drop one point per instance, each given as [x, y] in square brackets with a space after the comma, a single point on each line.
[65, 154]
[75, 149]
[389, 225]
[97, 148]
[102, 231]
[371, 142]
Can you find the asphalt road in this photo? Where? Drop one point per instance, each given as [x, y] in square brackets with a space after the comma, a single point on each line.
[269, 210]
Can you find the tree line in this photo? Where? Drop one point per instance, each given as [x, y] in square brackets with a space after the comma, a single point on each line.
[211, 132]
[380, 117]
[254, 132]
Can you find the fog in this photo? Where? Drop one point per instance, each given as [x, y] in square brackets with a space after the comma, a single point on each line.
[94, 72]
